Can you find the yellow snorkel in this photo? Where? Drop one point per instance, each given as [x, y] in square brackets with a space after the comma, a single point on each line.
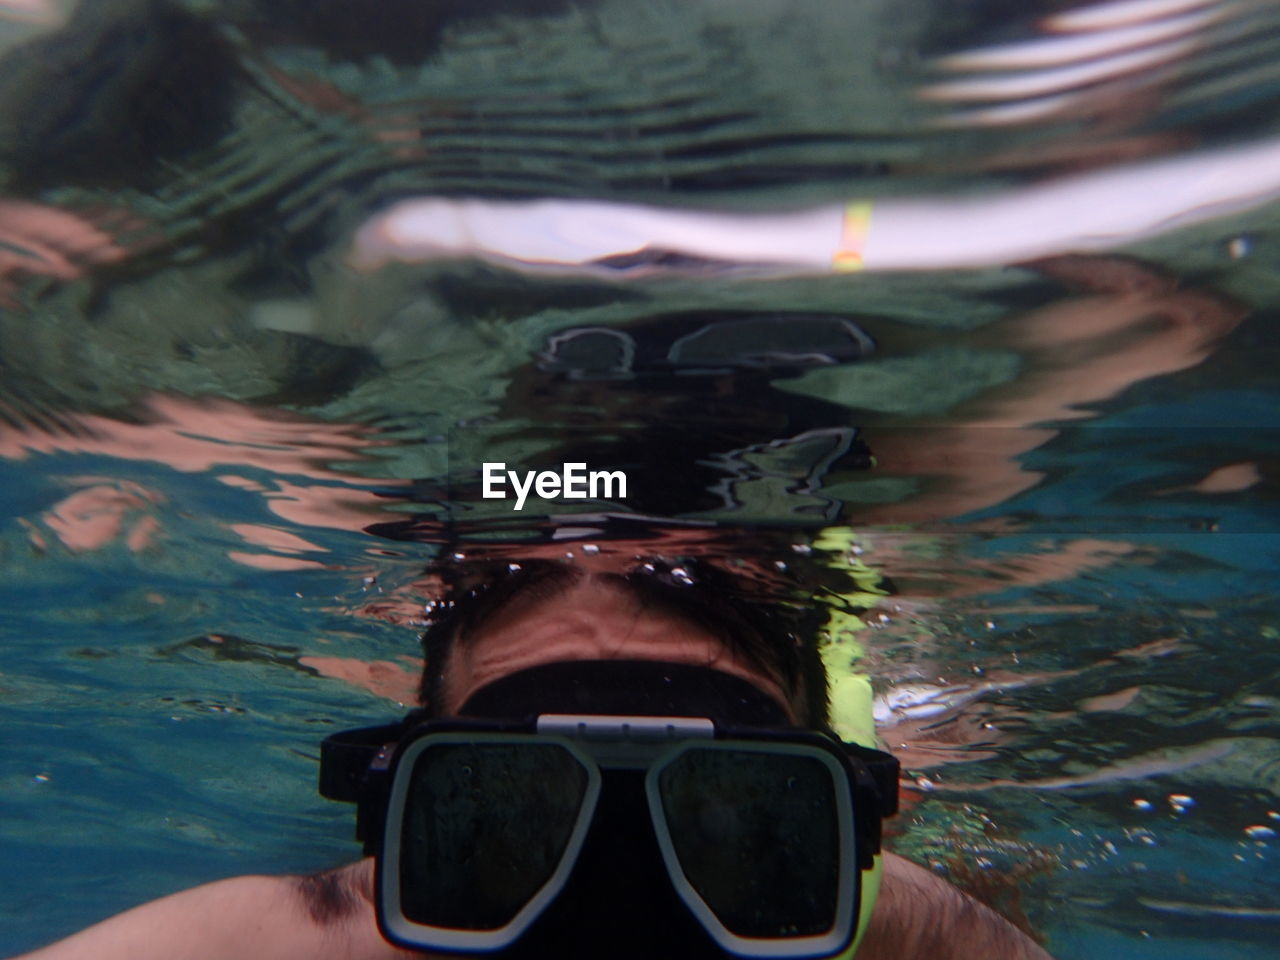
[850, 688]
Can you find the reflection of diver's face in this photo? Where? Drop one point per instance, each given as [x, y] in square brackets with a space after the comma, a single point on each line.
[592, 620]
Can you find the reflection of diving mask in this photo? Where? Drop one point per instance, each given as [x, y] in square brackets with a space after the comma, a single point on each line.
[612, 835]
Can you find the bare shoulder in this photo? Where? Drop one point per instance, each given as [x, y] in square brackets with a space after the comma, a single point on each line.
[919, 916]
[339, 904]
[318, 917]
[337, 896]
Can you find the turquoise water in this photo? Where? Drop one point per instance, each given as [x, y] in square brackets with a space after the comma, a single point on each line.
[227, 451]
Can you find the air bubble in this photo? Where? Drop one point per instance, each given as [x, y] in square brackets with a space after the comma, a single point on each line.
[1259, 832]
[590, 549]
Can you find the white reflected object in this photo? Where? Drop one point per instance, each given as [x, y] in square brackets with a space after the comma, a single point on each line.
[1106, 16]
[1007, 114]
[1060, 50]
[1039, 83]
[1091, 212]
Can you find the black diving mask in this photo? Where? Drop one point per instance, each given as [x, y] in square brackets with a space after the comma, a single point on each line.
[654, 833]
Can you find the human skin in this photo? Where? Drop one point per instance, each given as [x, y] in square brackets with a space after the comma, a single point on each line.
[916, 915]
[591, 621]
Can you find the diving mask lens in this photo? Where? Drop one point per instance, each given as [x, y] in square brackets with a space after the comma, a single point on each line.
[488, 830]
[759, 840]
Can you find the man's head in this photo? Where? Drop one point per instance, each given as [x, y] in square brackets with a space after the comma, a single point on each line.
[518, 616]
[612, 767]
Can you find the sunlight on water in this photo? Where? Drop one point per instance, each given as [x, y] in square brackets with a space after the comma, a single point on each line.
[972, 303]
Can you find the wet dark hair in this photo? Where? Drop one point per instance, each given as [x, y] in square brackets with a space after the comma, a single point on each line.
[777, 638]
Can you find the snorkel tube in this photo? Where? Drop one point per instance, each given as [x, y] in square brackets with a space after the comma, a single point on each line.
[851, 695]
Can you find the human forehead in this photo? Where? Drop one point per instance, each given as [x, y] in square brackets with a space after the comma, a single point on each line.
[591, 620]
